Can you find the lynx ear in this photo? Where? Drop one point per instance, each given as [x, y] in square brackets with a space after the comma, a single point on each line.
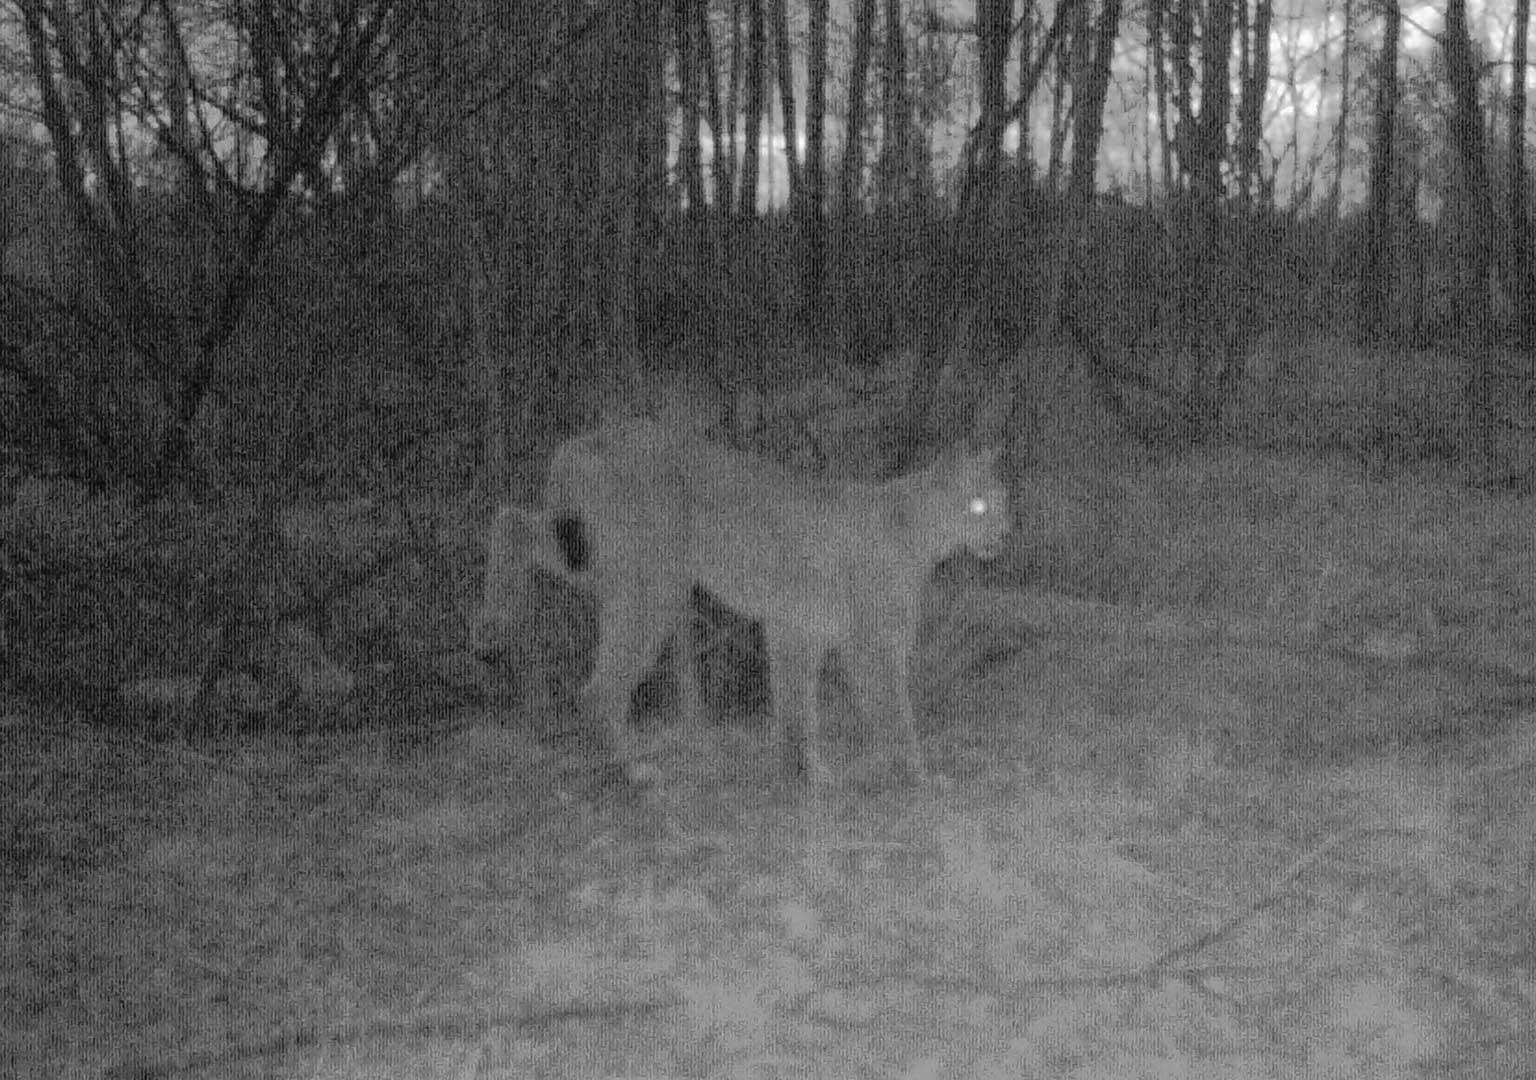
[986, 455]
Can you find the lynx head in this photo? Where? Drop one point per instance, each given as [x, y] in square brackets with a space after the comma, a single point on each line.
[965, 505]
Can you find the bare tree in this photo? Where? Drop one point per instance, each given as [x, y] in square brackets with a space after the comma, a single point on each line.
[1375, 270]
[894, 179]
[1089, 125]
[724, 160]
[690, 164]
[852, 342]
[1033, 67]
[1255, 87]
[651, 149]
[1156, 15]
[1523, 272]
[1341, 130]
[515, 204]
[733, 110]
[757, 78]
[953, 272]
[99, 71]
[1472, 156]
[618, 193]
[1181, 54]
[813, 196]
[786, 79]
[1215, 97]
[1072, 57]
[994, 24]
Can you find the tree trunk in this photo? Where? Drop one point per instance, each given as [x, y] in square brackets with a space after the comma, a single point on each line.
[894, 183]
[812, 205]
[651, 150]
[725, 153]
[1375, 270]
[952, 273]
[852, 170]
[757, 72]
[1250, 109]
[1204, 298]
[1155, 18]
[733, 118]
[1088, 125]
[1523, 272]
[1071, 62]
[852, 342]
[1181, 42]
[786, 80]
[690, 165]
[993, 23]
[622, 77]
[1215, 97]
[1341, 133]
[1472, 157]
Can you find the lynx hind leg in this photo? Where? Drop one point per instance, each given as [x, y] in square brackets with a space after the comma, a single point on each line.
[638, 612]
[626, 650]
[794, 663]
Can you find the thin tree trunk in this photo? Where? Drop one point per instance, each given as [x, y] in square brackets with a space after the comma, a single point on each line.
[1156, 17]
[1206, 302]
[1181, 41]
[651, 151]
[733, 117]
[1089, 122]
[616, 191]
[1341, 133]
[1244, 67]
[689, 157]
[853, 343]
[724, 160]
[1478, 223]
[813, 205]
[952, 274]
[1250, 110]
[1031, 70]
[786, 80]
[858, 76]
[1472, 154]
[993, 23]
[1029, 22]
[757, 65]
[895, 186]
[1215, 96]
[1375, 272]
[1070, 61]
[1520, 234]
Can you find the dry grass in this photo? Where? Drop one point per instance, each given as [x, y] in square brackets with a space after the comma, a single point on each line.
[1267, 817]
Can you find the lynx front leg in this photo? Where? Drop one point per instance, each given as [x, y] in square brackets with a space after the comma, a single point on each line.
[794, 661]
[628, 646]
[884, 698]
[881, 666]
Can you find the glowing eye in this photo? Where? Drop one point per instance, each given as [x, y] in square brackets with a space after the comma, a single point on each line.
[979, 506]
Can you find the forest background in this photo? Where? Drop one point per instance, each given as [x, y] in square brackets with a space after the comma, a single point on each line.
[296, 292]
[1229, 750]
